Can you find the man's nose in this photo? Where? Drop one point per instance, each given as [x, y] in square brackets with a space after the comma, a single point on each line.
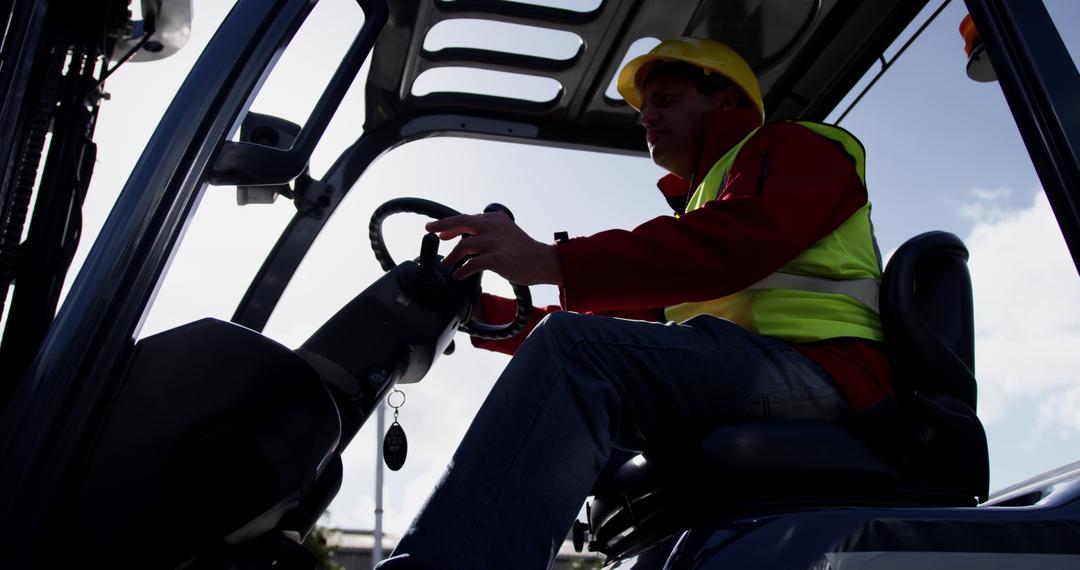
[649, 116]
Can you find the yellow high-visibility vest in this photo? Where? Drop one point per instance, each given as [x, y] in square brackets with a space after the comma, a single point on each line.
[830, 290]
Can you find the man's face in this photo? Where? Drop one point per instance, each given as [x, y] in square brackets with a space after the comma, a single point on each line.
[671, 112]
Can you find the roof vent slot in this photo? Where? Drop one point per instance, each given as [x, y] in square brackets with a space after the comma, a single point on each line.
[576, 7]
[491, 44]
[486, 82]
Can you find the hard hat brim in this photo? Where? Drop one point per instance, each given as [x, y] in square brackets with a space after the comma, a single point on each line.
[634, 72]
[627, 84]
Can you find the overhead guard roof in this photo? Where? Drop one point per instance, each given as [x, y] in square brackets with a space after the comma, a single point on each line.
[807, 54]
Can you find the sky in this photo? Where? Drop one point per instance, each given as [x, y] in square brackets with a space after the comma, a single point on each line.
[942, 153]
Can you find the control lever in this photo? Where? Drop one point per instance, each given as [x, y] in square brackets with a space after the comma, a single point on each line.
[429, 272]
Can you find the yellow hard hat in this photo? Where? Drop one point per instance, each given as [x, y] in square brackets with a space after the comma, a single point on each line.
[709, 55]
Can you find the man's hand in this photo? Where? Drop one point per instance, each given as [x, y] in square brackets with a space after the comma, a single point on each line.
[496, 243]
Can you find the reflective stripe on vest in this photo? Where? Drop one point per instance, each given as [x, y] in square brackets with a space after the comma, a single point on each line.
[864, 291]
[829, 290]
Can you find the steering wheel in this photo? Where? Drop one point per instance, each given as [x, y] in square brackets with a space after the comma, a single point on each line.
[438, 211]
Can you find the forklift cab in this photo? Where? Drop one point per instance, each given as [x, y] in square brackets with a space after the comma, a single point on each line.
[210, 445]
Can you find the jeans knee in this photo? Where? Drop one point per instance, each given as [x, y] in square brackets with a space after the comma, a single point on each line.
[558, 331]
[564, 325]
[560, 321]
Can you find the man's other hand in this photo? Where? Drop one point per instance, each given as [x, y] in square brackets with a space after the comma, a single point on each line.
[496, 243]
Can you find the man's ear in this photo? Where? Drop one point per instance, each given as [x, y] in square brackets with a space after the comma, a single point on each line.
[727, 98]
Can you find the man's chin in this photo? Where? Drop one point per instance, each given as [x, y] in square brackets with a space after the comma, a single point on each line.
[656, 153]
[659, 158]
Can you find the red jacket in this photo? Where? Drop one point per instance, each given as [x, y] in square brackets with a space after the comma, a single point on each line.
[788, 188]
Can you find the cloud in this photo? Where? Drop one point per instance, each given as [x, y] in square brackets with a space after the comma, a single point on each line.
[995, 194]
[1061, 411]
[987, 207]
[1027, 299]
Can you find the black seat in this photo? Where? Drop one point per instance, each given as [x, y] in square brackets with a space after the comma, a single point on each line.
[927, 449]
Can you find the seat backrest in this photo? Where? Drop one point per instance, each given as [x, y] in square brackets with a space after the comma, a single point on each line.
[927, 316]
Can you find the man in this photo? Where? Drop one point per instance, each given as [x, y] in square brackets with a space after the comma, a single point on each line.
[772, 236]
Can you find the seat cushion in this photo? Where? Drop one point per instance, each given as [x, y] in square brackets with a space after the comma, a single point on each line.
[747, 468]
[805, 458]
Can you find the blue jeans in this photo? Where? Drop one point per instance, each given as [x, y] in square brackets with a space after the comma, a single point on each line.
[578, 387]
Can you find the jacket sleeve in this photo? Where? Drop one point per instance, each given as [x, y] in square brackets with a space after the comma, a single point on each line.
[502, 310]
[788, 188]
